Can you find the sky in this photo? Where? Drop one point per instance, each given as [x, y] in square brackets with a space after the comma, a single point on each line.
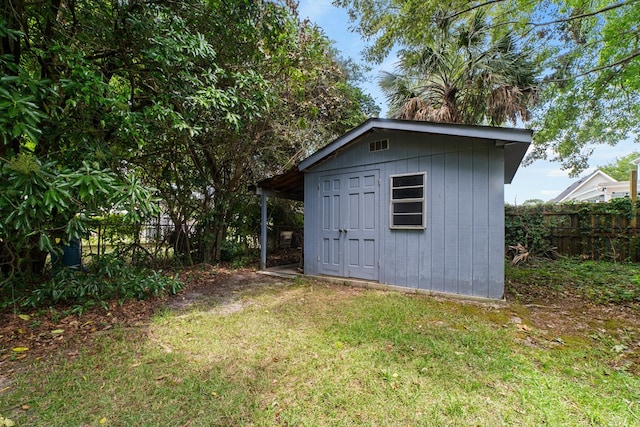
[541, 180]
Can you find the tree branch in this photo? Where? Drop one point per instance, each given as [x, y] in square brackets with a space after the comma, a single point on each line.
[624, 60]
[477, 6]
[543, 24]
[583, 15]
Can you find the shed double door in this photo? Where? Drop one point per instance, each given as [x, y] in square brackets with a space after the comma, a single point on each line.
[349, 236]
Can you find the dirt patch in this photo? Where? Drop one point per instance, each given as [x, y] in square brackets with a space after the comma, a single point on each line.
[208, 287]
[28, 336]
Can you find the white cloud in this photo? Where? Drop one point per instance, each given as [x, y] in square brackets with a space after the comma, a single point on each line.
[557, 172]
[315, 9]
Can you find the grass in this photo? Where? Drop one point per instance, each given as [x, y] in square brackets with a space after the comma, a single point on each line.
[314, 354]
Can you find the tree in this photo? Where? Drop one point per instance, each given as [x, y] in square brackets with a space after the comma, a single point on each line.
[285, 93]
[619, 169]
[588, 53]
[56, 110]
[462, 77]
[199, 98]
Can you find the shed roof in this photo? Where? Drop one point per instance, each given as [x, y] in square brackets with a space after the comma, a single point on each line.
[516, 142]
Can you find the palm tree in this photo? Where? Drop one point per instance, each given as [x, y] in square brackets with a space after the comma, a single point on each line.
[462, 77]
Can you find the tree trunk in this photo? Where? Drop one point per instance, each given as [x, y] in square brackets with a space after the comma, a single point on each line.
[13, 14]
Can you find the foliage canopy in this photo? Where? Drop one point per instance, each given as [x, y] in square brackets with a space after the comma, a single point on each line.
[620, 168]
[179, 105]
[587, 51]
[461, 76]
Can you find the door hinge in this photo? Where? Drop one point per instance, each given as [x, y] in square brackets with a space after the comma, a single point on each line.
[318, 258]
[378, 263]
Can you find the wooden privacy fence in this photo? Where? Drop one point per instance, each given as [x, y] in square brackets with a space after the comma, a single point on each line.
[590, 231]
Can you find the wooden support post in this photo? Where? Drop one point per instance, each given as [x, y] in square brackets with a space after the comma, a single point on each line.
[263, 232]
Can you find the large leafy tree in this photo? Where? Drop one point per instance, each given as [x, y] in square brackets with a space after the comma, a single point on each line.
[199, 98]
[588, 53]
[285, 93]
[462, 77]
[57, 110]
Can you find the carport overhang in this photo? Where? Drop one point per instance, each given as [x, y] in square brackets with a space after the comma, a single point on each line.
[288, 185]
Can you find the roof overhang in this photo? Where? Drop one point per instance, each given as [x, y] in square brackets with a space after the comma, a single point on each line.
[515, 141]
[290, 185]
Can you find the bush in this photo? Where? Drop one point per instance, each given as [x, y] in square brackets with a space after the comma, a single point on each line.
[105, 279]
[527, 228]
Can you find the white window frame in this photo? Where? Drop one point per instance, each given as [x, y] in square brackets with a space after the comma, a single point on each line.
[384, 145]
[393, 202]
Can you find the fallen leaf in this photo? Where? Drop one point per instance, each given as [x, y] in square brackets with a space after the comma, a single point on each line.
[6, 422]
[619, 348]
[57, 331]
[25, 407]
[103, 420]
[20, 349]
[24, 316]
[523, 327]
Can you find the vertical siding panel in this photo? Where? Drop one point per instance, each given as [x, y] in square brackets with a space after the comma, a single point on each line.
[424, 251]
[480, 220]
[451, 222]
[438, 222]
[401, 239]
[496, 222]
[413, 239]
[389, 260]
[465, 220]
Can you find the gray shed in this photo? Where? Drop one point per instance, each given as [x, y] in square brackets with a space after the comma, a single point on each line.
[409, 204]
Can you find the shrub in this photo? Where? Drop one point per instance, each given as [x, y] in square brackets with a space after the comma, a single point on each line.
[104, 280]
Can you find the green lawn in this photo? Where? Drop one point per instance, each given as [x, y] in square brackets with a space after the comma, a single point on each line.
[315, 354]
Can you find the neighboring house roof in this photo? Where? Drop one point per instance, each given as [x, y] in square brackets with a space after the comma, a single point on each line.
[515, 142]
[592, 180]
